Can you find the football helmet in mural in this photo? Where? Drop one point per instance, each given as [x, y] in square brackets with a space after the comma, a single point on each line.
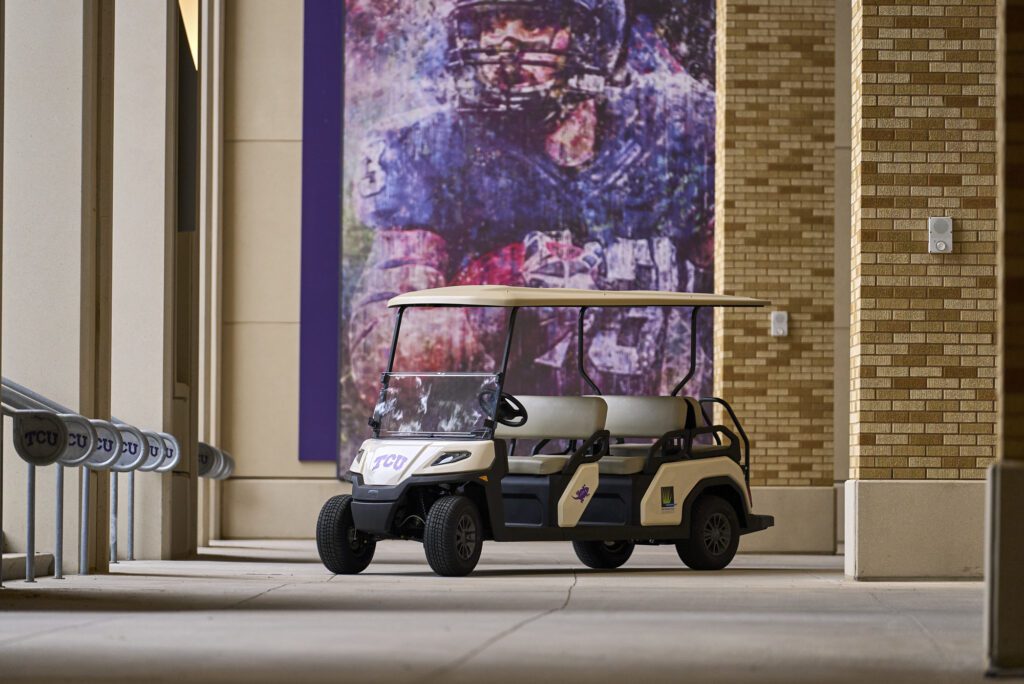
[533, 55]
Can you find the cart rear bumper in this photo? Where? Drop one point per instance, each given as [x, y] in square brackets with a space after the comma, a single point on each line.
[756, 523]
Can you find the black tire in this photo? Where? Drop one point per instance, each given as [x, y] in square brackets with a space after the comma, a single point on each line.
[343, 549]
[453, 536]
[602, 555]
[714, 535]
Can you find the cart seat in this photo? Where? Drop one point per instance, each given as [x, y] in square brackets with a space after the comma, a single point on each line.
[552, 418]
[625, 459]
[541, 464]
[629, 459]
[649, 417]
[623, 465]
[641, 417]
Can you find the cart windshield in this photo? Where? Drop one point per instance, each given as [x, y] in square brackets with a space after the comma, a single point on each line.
[436, 405]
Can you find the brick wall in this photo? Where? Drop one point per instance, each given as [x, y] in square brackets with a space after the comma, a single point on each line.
[774, 223]
[923, 355]
[1013, 235]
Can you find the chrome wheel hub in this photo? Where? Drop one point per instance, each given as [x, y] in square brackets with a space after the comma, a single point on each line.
[717, 534]
[465, 537]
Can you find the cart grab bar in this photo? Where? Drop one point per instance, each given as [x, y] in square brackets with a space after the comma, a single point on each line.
[739, 428]
[590, 451]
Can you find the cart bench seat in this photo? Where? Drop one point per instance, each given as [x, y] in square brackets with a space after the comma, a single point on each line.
[640, 417]
[541, 464]
[648, 417]
[554, 418]
[629, 459]
[622, 465]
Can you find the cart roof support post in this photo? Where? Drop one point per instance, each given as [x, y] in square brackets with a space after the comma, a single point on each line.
[693, 353]
[579, 354]
[394, 338]
[508, 342]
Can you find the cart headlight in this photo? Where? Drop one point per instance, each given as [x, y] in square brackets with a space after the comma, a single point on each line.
[359, 457]
[449, 457]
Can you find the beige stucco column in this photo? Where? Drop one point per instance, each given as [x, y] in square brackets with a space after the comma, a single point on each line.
[923, 348]
[1004, 633]
[774, 238]
[211, 187]
[144, 242]
[3, 444]
[56, 242]
[262, 208]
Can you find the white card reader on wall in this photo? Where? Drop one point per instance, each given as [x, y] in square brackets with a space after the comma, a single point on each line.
[780, 324]
[940, 235]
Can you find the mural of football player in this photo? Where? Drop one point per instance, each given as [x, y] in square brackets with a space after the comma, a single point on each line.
[573, 150]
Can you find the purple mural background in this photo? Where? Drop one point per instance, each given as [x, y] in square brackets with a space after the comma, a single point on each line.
[551, 144]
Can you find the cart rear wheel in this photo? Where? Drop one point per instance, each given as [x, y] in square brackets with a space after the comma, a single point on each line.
[453, 536]
[714, 535]
[343, 549]
[603, 555]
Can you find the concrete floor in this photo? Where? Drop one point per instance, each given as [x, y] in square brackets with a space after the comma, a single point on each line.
[269, 612]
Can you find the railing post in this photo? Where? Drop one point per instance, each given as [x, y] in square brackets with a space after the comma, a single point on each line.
[58, 551]
[30, 528]
[83, 530]
[113, 517]
[1, 418]
[131, 515]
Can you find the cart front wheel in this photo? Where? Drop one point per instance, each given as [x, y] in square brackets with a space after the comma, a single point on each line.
[343, 549]
[603, 555]
[453, 536]
[714, 535]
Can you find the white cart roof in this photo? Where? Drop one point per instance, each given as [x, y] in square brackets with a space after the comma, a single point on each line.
[503, 296]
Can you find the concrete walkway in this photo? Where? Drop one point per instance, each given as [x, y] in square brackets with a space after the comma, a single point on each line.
[269, 612]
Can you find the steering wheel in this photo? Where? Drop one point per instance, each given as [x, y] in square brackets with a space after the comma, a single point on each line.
[510, 412]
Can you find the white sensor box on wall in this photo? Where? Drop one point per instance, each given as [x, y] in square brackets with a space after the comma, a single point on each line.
[940, 235]
[780, 324]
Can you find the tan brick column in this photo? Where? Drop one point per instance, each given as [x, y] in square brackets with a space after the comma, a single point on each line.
[1004, 623]
[774, 239]
[1012, 295]
[923, 355]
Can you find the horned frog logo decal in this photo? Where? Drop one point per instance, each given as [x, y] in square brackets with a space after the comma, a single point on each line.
[581, 494]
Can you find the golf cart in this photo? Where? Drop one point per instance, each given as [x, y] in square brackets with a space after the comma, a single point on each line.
[443, 466]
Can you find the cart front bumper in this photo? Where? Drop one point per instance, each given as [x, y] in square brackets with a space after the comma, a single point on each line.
[374, 506]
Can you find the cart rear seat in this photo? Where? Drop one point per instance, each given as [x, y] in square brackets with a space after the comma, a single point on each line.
[552, 418]
[647, 417]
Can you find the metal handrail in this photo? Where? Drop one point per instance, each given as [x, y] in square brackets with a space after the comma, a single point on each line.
[22, 396]
[739, 428]
[160, 452]
[214, 463]
[111, 451]
[12, 388]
